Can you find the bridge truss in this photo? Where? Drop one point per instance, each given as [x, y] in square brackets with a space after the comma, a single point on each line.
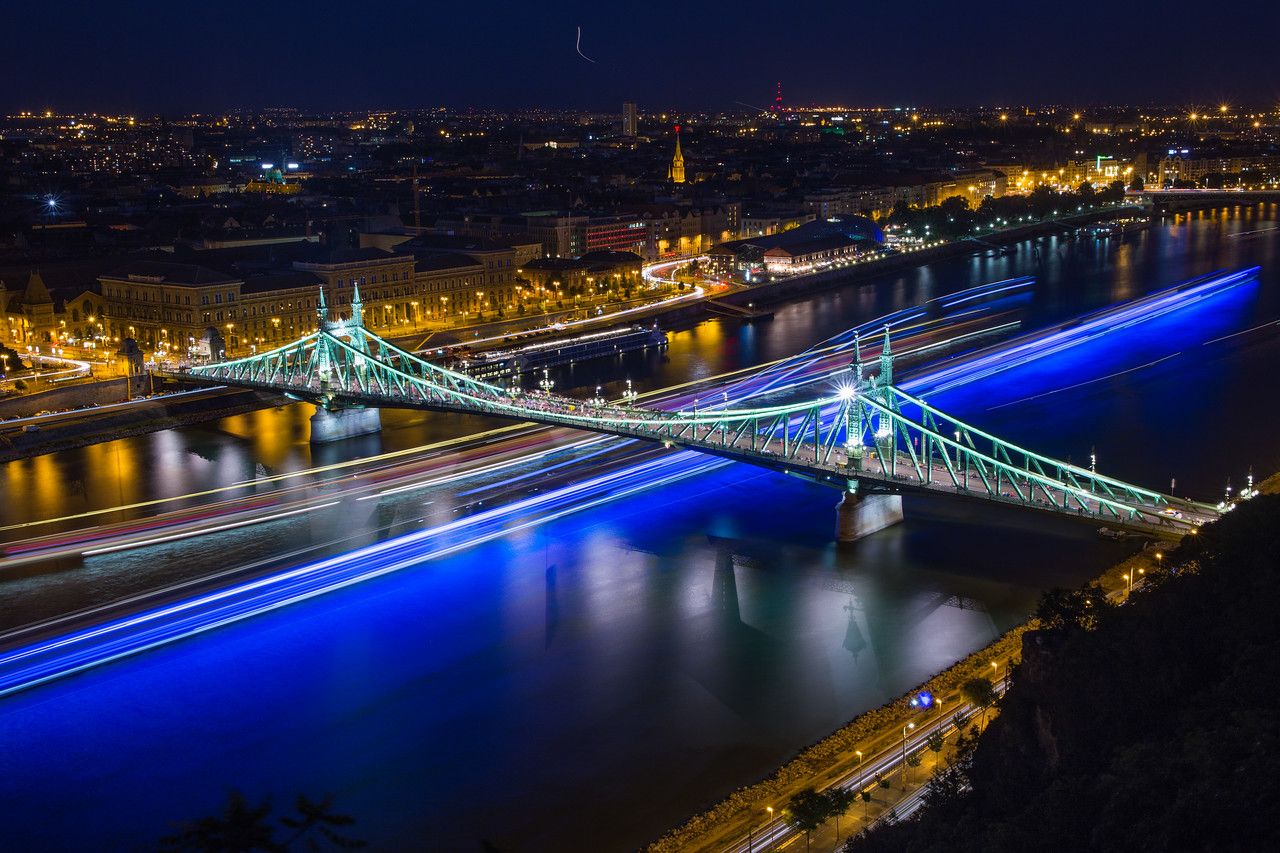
[866, 436]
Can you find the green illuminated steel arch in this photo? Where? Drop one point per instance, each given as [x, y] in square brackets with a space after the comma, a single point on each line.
[870, 436]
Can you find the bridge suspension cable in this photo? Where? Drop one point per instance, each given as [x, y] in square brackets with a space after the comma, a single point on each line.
[868, 435]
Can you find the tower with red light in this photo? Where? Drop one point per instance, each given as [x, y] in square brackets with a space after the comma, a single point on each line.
[676, 173]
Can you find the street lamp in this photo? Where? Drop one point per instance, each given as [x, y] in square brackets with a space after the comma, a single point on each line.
[769, 826]
[908, 727]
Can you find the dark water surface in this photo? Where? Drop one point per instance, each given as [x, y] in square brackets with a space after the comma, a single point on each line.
[586, 684]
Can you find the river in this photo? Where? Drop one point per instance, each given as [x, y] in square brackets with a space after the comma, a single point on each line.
[585, 684]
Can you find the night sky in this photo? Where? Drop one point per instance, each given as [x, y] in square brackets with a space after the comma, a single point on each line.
[145, 56]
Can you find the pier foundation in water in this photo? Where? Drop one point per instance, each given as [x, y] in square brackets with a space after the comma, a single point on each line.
[337, 424]
[859, 515]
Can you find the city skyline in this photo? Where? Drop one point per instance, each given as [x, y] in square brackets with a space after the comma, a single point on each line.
[314, 57]
[667, 427]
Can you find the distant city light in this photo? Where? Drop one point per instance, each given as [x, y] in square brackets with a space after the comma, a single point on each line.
[268, 165]
[291, 165]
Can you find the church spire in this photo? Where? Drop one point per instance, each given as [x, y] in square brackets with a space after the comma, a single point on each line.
[677, 162]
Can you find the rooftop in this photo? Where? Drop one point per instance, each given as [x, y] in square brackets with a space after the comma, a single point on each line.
[165, 272]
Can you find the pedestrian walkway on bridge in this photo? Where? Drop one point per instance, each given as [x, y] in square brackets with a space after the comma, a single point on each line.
[868, 438]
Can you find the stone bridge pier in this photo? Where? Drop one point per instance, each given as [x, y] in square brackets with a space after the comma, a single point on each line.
[338, 423]
[859, 515]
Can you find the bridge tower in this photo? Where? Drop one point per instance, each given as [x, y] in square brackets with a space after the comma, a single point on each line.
[854, 425]
[858, 514]
[356, 324]
[334, 421]
[886, 360]
[357, 307]
[323, 367]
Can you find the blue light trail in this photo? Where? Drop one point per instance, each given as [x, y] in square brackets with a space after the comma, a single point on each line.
[78, 650]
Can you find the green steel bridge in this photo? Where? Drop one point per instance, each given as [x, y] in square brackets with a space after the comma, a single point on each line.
[870, 438]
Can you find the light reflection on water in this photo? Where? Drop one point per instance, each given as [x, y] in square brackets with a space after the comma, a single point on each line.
[641, 657]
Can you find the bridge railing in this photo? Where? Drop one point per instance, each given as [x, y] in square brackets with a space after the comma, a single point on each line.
[864, 432]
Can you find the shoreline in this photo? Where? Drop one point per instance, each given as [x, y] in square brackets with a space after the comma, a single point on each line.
[680, 316]
[832, 757]
[828, 758]
[154, 414]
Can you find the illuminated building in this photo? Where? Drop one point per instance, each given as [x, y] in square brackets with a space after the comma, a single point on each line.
[622, 233]
[167, 306]
[29, 315]
[558, 279]
[630, 120]
[273, 182]
[677, 162]
[814, 245]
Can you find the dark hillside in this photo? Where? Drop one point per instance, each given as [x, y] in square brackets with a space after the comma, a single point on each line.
[1152, 726]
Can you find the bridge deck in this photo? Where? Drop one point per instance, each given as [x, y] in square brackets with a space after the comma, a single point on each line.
[896, 442]
[878, 472]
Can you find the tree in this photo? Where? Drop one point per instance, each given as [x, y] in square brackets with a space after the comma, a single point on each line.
[949, 785]
[1063, 609]
[838, 802]
[320, 818]
[913, 761]
[242, 828]
[1042, 201]
[956, 205]
[902, 214]
[979, 691]
[1137, 184]
[935, 742]
[1114, 191]
[807, 811]
[11, 357]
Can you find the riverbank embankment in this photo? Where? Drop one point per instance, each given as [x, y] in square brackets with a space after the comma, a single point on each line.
[175, 405]
[96, 412]
[837, 755]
